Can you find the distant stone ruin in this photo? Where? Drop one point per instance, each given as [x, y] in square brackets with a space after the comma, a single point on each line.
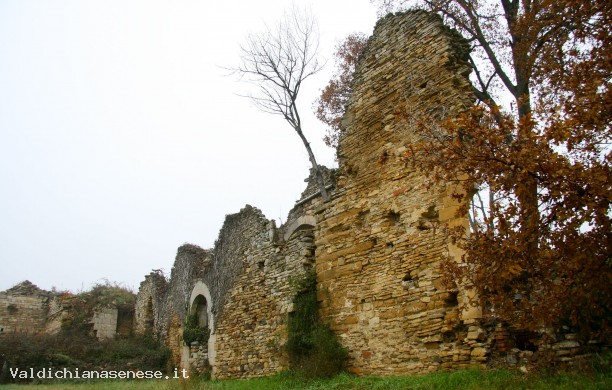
[26, 309]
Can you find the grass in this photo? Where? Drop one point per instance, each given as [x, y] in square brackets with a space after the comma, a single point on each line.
[465, 379]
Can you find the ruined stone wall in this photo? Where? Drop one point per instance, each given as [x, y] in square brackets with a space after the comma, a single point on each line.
[251, 327]
[150, 303]
[246, 282]
[244, 246]
[378, 245]
[23, 309]
[189, 266]
[56, 314]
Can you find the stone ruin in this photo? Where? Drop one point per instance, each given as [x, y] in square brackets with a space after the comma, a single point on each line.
[27, 309]
[24, 308]
[374, 246]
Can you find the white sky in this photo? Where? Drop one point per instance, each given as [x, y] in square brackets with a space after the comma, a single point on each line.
[121, 138]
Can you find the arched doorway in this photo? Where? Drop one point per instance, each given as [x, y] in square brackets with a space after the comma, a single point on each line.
[201, 305]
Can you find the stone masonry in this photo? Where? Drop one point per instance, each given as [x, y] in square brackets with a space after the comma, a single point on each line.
[379, 245]
[105, 322]
[376, 245]
[27, 309]
[244, 283]
[23, 309]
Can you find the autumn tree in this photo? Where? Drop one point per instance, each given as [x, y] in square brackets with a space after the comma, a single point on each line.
[277, 61]
[539, 251]
[329, 106]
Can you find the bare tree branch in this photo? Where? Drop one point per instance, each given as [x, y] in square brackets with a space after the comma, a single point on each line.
[278, 61]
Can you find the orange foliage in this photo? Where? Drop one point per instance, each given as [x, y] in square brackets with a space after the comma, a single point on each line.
[334, 97]
[541, 253]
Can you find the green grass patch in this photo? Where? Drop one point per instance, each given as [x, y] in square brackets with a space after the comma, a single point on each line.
[463, 379]
[65, 351]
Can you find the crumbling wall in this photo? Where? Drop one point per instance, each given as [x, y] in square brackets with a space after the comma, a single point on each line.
[376, 245]
[378, 242]
[190, 263]
[150, 303]
[251, 322]
[23, 309]
[245, 284]
[240, 301]
[56, 314]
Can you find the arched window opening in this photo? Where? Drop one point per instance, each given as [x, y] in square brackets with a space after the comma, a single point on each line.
[200, 309]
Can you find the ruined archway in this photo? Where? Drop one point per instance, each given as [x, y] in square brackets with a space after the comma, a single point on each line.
[200, 304]
[148, 318]
[303, 222]
[301, 232]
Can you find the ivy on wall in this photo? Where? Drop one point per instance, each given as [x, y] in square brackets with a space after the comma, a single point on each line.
[194, 332]
[314, 350]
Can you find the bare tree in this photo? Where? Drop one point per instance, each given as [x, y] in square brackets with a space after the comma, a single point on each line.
[278, 60]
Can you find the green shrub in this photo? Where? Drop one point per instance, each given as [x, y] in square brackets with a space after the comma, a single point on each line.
[302, 323]
[109, 293]
[193, 332]
[314, 350]
[79, 351]
[81, 307]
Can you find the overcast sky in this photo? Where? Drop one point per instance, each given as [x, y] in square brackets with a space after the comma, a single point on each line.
[121, 138]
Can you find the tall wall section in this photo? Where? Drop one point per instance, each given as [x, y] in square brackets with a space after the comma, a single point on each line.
[190, 264]
[150, 302]
[251, 327]
[162, 304]
[378, 242]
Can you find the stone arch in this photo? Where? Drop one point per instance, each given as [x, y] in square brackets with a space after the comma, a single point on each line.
[305, 221]
[201, 300]
[200, 303]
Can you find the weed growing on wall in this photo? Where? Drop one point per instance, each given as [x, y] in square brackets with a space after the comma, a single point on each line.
[314, 350]
[193, 332]
[81, 307]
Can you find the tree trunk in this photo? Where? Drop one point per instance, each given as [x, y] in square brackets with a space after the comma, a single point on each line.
[318, 175]
[528, 198]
